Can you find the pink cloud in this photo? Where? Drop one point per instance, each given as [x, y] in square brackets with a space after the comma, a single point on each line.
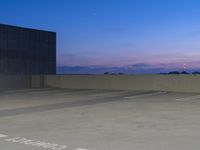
[156, 61]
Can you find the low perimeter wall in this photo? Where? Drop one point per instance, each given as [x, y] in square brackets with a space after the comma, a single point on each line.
[178, 83]
[15, 81]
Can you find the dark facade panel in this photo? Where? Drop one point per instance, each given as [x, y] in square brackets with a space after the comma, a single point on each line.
[27, 51]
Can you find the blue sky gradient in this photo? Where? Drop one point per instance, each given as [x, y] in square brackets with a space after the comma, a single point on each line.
[115, 33]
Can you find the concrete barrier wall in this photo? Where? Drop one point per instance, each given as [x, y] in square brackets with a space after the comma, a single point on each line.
[37, 81]
[15, 81]
[178, 83]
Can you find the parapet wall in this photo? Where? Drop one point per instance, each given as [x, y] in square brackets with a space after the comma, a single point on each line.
[177, 83]
[15, 81]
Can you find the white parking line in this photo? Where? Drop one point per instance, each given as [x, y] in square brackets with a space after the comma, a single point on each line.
[106, 94]
[41, 92]
[3, 135]
[188, 98]
[35, 143]
[144, 95]
[63, 94]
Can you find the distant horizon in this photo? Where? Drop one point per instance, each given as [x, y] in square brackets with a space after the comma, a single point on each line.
[120, 70]
[146, 35]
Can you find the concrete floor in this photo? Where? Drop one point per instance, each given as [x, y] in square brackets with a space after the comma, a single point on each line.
[98, 120]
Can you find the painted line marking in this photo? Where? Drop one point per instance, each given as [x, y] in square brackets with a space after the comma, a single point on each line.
[35, 143]
[188, 98]
[106, 94]
[72, 93]
[43, 91]
[63, 93]
[3, 135]
[144, 95]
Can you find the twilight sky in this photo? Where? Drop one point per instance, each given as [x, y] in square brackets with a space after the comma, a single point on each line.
[115, 33]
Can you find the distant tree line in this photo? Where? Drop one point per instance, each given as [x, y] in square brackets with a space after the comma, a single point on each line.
[110, 73]
[183, 72]
[169, 73]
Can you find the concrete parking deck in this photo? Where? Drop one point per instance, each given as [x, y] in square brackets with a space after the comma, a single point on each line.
[54, 119]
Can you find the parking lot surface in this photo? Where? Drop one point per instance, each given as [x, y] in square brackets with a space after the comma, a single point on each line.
[76, 119]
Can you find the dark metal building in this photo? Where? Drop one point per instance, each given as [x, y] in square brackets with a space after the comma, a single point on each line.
[27, 51]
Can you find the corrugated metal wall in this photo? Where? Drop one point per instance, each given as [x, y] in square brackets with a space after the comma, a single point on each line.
[27, 51]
